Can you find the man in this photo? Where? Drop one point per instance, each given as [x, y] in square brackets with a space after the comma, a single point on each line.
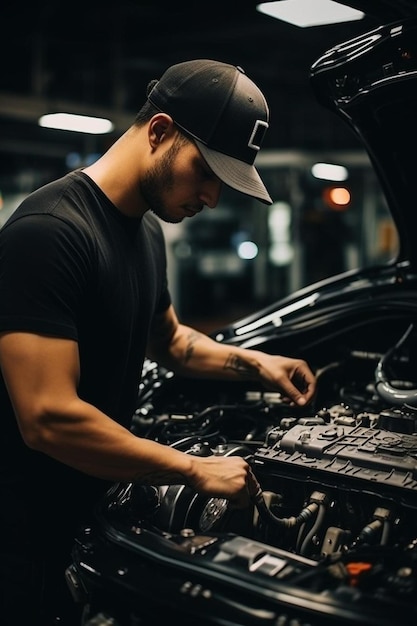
[84, 298]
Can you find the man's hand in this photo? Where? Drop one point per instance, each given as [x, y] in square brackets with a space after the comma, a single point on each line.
[291, 377]
[227, 477]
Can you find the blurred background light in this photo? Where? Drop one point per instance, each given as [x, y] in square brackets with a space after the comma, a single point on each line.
[247, 250]
[310, 12]
[76, 123]
[328, 171]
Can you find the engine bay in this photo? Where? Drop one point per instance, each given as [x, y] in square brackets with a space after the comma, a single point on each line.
[331, 535]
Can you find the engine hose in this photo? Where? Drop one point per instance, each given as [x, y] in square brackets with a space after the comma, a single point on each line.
[367, 533]
[387, 391]
[285, 522]
[318, 522]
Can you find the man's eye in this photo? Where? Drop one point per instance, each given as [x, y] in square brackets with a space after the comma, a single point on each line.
[206, 173]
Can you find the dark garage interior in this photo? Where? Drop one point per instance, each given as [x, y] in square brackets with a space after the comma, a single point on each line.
[96, 59]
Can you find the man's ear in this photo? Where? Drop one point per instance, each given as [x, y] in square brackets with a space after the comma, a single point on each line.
[161, 127]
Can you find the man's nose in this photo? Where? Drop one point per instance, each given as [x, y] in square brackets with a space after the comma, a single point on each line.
[211, 193]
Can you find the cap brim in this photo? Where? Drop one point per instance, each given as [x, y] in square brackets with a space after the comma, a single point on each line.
[236, 174]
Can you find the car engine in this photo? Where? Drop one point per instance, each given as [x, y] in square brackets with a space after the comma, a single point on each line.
[331, 537]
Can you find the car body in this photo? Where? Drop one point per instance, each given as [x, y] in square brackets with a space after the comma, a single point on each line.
[332, 537]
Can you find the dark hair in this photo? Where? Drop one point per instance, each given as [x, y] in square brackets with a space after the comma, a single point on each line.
[148, 110]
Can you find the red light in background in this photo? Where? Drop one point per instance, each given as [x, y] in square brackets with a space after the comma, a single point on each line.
[337, 198]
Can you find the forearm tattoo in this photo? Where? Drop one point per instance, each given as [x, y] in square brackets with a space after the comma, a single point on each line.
[192, 338]
[239, 366]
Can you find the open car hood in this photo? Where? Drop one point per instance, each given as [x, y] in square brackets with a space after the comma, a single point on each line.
[371, 83]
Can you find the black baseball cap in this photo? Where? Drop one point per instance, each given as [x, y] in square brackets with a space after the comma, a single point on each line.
[224, 112]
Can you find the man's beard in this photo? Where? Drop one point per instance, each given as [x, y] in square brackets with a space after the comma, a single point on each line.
[157, 181]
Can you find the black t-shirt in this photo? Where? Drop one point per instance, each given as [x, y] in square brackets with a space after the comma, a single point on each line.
[72, 266]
